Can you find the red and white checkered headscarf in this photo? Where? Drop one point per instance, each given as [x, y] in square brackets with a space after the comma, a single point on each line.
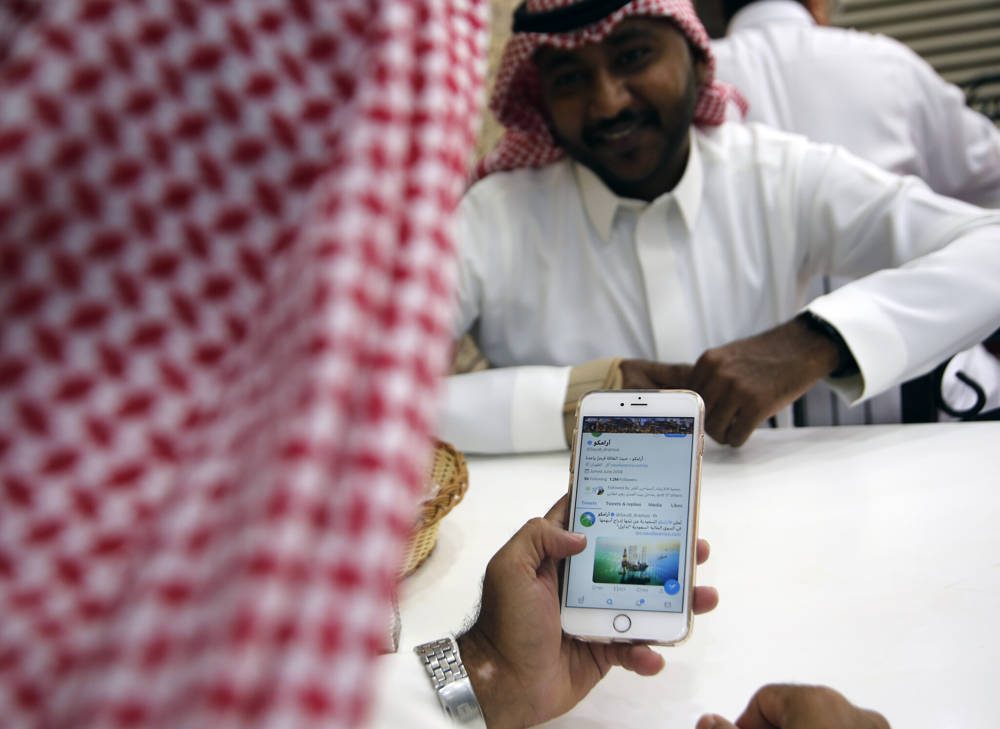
[225, 283]
[516, 99]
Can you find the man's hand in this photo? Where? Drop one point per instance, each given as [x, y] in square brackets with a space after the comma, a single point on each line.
[644, 374]
[523, 668]
[747, 381]
[784, 706]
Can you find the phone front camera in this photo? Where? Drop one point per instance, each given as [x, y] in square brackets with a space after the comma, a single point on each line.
[622, 404]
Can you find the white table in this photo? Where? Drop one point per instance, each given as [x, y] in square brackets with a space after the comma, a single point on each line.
[866, 558]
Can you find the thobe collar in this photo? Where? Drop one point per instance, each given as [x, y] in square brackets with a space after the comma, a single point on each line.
[602, 204]
[760, 14]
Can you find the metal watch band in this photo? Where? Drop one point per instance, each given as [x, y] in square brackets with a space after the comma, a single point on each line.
[451, 682]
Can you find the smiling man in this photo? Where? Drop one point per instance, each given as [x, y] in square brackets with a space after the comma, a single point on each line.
[638, 146]
[623, 235]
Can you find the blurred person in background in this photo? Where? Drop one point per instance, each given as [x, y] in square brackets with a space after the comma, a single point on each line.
[867, 93]
[877, 98]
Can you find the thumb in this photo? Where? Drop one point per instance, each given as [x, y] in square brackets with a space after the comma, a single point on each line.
[714, 721]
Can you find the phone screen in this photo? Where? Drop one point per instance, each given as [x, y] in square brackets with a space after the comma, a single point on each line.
[633, 494]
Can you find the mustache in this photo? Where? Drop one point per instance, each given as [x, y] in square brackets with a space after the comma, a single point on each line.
[593, 133]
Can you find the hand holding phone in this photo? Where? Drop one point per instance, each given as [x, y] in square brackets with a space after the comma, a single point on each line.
[543, 672]
[635, 475]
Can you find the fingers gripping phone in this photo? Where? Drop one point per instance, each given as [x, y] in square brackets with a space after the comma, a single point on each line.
[634, 483]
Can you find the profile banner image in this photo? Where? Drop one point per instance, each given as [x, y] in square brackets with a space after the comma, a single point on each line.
[650, 561]
[598, 425]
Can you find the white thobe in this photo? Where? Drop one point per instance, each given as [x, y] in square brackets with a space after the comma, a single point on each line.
[557, 270]
[867, 93]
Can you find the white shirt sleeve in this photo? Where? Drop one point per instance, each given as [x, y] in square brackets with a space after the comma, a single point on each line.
[938, 290]
[503, 410]
[405, 697]
[506, 410]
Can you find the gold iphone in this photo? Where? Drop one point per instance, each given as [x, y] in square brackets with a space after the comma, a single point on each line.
[635, 474]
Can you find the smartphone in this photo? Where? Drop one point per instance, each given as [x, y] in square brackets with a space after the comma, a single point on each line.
[634, 483]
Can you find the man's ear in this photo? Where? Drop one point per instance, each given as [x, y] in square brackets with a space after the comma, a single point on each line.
[820, 10]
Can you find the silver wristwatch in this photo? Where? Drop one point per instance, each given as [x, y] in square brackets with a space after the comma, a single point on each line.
[451, 682]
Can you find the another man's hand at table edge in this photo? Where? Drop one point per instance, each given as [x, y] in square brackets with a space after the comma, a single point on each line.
[790, 706]
[745, 382]
[523, 669]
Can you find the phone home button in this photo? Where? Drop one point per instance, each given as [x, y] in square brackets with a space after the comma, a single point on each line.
[622, 623]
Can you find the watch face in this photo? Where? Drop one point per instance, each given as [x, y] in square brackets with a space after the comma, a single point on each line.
[459, 701]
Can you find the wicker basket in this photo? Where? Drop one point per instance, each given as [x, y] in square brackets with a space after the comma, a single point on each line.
[449, 480]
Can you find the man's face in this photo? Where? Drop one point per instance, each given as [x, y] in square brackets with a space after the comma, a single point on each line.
[623, 106]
